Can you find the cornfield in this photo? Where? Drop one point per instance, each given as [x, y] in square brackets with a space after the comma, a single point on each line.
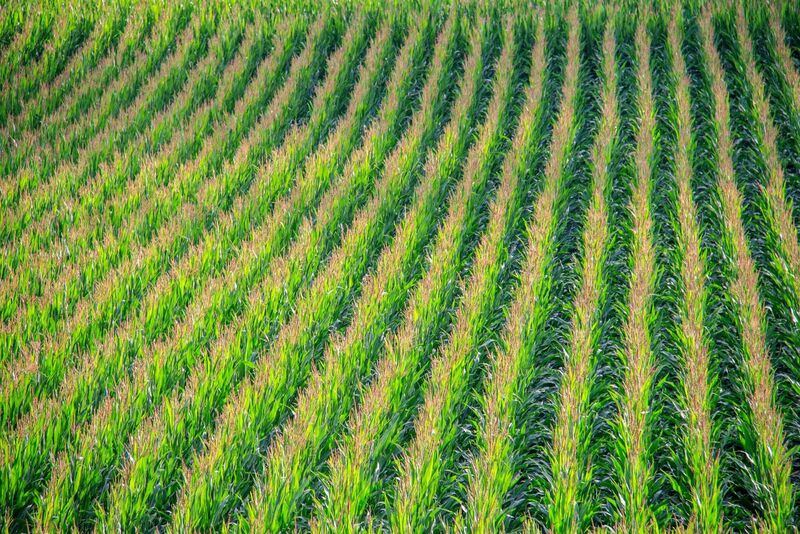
[433, 266]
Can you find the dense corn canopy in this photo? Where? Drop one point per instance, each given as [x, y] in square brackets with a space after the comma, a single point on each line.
[429, 266]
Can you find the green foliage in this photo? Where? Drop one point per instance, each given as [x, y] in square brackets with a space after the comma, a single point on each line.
[366, 265]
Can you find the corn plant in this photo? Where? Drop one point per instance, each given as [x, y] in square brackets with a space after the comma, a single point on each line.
[569, 503]
[134, 277]
[355, 470]
[492, 471]
[423, 468]
[368, 266]
[378, 304]
[198, 90]
[389, 191]
[759, 421]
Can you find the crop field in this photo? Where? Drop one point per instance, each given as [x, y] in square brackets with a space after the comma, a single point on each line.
[465, 266]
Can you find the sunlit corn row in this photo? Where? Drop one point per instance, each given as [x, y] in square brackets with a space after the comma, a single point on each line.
[444, 266]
